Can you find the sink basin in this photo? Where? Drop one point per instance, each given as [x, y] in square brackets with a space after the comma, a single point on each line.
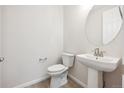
[106, 63]
[96, 66]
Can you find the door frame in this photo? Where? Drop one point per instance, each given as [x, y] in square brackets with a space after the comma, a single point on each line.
[1, 63]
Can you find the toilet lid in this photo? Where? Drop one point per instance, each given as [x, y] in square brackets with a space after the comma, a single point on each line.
[56, 68]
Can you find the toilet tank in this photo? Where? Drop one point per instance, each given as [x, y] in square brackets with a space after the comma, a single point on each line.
[68, 59]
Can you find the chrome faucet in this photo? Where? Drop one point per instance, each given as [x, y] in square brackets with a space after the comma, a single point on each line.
[98, 53]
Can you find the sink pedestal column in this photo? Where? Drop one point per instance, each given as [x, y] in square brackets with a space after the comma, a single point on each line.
[95, 78]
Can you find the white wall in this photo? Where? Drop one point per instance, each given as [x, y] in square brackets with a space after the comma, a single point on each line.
[74, 20]
[30, 33]
[75, 41]
[33, 32]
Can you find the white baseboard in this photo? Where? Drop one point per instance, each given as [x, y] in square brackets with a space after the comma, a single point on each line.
[77, 81]
[32, 82]
[46, 77]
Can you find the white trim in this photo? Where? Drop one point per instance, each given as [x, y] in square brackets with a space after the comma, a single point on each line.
[77, 81]
[122, 81]
[32, 82]
[123, 60]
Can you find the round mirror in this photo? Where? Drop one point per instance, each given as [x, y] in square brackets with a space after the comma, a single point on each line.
[103, 24]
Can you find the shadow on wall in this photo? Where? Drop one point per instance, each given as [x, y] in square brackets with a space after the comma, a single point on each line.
[113, 79]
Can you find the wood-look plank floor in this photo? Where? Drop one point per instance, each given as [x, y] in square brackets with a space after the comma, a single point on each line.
[46, 84]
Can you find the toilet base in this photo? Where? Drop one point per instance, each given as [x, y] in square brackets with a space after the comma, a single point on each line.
[59, 80]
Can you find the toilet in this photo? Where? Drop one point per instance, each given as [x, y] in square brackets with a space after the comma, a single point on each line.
[59, 72]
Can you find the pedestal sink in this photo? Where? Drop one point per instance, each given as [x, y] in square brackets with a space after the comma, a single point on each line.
[97, 65]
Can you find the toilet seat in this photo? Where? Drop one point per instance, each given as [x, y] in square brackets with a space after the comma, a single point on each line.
[56, 68]
[59, 72]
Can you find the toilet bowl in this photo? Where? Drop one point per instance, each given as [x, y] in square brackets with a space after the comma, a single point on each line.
[59, 72]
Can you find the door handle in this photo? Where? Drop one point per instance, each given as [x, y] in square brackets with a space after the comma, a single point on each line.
[1, 59]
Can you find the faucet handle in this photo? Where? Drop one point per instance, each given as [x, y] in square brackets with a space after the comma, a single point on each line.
[102, 53]
[95, 51]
